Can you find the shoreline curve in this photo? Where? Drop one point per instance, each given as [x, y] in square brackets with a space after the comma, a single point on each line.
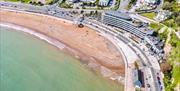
[57, 43]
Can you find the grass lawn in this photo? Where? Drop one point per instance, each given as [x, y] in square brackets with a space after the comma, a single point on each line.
[156, 26]
[149, 15]
[176, 74]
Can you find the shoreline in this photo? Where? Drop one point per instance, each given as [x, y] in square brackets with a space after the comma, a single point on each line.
[34, 33]
[62, 47]
[87, 58]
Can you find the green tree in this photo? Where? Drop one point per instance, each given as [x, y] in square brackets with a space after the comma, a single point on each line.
[170, 0]
[178, 20]
[136, 65]
[167, 6]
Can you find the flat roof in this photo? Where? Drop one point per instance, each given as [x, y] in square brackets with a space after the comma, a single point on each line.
[119, 14]
[106, 1]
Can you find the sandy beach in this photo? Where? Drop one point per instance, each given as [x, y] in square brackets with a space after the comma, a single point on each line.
[83, 43]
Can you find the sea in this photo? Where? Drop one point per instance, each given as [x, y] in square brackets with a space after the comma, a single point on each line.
[30, 64]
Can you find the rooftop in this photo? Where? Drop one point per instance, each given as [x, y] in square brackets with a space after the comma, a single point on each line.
[106, 1]
[149, 32]
[151, 1]
[119, 14]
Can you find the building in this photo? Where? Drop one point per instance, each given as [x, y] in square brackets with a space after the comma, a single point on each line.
[151, 1]
[92, 1]
[155, 44]
[149, 32]
[104, 2]
[162, 15]
[138, 78]
[123, 21]
[71, 1]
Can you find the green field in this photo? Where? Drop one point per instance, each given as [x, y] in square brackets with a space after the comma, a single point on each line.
[156, 26]
[149, 15]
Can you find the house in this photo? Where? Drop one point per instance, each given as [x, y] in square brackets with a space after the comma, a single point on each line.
[88, 1]
[71, 1]
[151, 2]
[104, 2]
[162, 15]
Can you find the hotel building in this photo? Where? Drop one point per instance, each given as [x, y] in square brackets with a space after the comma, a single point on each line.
[123, 21]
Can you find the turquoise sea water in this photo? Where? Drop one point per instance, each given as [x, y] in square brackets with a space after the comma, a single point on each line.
[30, 64]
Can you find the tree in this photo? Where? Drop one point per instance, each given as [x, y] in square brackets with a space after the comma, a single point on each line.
[82, 11]
[165, 67]
[178, 20]
[169, 23]
[91, 13]
[175, 14]
[96, 12]
[167, 6]
[170, 0]
[30, 2]
[80, 25]
[136, 65]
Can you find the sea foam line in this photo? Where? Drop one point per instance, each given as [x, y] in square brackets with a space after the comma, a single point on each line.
[39, 35]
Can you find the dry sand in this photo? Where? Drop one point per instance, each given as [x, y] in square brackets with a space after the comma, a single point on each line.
[91, 48]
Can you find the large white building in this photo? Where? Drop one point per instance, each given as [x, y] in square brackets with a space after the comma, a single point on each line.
[123, 21]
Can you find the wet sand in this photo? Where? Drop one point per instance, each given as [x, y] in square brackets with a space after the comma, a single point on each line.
[83, 43]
